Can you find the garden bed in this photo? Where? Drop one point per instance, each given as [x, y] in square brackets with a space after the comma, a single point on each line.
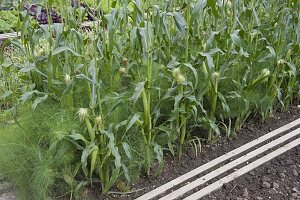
[99, 112]
[276, 179]
[252, 130]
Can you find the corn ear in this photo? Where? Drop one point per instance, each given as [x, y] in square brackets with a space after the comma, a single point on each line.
[90, 129]
[94, 157]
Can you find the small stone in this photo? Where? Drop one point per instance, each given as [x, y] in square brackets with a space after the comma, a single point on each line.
[8, 196]
[245, 193]
[252, 173]
[296, 190]
[275, 185]
[226, 186]
[266, 184]
[259, 198]
[265, 179]
[295, 173]
[298, 106]
[273, 191]
[295, 195]
[281, 162]
[289, 161]
[5, 186]
[282, 175]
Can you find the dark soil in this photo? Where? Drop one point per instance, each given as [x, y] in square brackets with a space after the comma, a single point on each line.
[40, 13]
[278, 179]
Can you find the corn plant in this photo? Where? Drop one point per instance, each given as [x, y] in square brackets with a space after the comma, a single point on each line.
[146, 74]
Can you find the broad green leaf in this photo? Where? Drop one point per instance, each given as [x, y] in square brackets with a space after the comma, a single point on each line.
[213, 5]
[68, 179]
[169, 92]
[235, 38]
[39, 100]
[177, 100]
[127, 149]
[58, 50]
[135, 117]
[165, 20]
[58, 29]
[172, 136]
[26, 96]
[210, 41]
[17, 44]
[137, 13]
[180, 22]
[28, 68]
[133, 39]
[195, 73]
[87, 152]
[271, 55]
[210, 60]
[159, 156]
[126, 172]
[5, 44]
[256, 19]
[146, 33]
[114, 149]
[93, 74]
[137, 91]
[6, 94]
[77, 136]
[68, 89]
[173, 63]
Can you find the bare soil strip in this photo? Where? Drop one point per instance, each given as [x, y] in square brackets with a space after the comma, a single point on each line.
[164, 188]
[200, 181]
[218, 184]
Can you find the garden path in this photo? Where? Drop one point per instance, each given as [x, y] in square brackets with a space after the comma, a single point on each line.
[6, 191]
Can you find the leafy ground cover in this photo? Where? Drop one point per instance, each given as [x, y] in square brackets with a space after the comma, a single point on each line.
[8, 21]
[138, 85]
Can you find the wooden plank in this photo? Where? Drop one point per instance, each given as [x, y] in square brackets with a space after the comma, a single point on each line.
[218, 184]
[200, 181]
[6, 36]
[90, 23]
[164, 188]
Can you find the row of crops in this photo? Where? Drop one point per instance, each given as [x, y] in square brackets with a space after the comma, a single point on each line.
[153, 77]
